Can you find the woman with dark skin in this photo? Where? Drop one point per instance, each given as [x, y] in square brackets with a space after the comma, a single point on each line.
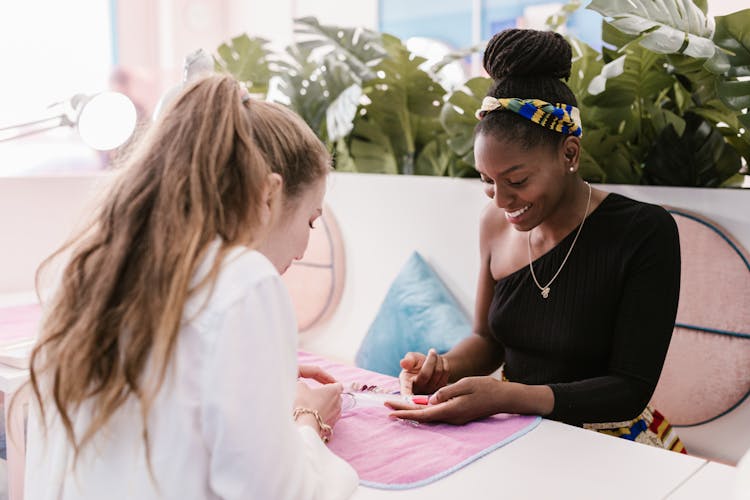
[578, 288]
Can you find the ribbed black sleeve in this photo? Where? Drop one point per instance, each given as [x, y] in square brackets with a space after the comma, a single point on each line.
[599, 340]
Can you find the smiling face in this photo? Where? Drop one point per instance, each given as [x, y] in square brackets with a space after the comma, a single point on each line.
[528, 184]
[290, 231]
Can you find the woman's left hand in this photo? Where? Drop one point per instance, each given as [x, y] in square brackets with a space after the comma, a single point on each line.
[470, 398]
[316, 373]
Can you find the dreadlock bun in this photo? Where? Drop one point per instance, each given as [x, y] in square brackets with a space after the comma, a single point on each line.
[527, 53]
[526, 64]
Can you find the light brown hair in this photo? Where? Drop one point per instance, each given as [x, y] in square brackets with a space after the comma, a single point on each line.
[198, 174]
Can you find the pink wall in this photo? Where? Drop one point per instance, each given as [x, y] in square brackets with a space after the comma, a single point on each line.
[154, 37]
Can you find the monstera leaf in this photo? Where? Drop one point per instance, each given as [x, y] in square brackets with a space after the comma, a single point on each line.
[638, 74]
[664, 26]
[371, 148]
[733, 35]
[618, 95]
[248, 60]
[457, 117]
[323, 92]
[404, 101]
[700, 157]
[302, 88]
[586, 64]
[360, 49]
[436, 157]
[605, 158]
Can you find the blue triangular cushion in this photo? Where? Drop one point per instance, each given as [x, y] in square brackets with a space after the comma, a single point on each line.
[418, 313]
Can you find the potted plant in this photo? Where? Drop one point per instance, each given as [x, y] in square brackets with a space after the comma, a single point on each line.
[664, 102]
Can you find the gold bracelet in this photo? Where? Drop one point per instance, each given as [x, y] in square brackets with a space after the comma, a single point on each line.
[326, 430]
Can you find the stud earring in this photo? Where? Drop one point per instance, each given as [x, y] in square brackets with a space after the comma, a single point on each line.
[572, 169]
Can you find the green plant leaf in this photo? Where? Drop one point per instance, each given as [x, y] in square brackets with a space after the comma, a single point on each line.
[405, 102]
[663, 118]
[323, 92]
[610, 158]
[735, 94]
[586, 64]
[614, 41]
[342, 160]
[736, 181]
[360, 49]
[435, 157]
[460, 168]
[248, 60]
[457, 116]
[701, 157]
[733, 35]
[371, 148]
[693, 75]
[301, 84]
[665, 26]
[589, 169]
[637, 74]
[702, 5]
[560, 18]
[619, 96]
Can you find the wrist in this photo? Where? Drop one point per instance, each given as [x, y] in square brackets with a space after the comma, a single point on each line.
[311, 417]
[449, 364]
[530, 399]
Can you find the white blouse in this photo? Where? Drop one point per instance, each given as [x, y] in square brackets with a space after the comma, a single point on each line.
[221, 425]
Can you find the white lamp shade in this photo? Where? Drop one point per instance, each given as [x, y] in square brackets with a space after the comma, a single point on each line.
[107, 120]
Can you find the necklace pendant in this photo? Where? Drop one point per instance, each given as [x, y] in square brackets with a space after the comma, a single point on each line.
[545, 292]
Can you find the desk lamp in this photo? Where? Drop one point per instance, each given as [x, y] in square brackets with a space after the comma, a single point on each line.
[104, 120]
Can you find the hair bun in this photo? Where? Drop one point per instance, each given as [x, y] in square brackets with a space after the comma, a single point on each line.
[527, 53]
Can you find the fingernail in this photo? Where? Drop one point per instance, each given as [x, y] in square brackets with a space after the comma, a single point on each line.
[408, 421]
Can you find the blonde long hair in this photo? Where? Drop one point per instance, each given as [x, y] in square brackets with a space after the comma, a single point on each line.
[199, 173]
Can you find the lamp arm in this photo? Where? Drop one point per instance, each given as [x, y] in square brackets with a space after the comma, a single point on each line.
[33, 127]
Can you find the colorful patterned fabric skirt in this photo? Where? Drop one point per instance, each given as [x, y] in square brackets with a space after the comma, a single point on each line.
[649, 428]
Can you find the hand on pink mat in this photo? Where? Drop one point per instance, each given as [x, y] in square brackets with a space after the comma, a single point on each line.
[422, 374]
[470, 398]
[325, 399]
[316, 373]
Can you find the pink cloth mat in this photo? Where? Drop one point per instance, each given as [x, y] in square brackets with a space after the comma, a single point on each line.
[19, 322]
[395, 454]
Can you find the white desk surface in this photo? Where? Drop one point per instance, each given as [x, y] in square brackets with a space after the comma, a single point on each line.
[559, 461]
[713, 480]
[11, 378]
[554, 460]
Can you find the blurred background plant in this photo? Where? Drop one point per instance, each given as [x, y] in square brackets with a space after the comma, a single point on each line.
[665, 101]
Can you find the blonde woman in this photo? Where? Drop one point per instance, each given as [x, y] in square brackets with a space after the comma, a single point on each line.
[166, 366]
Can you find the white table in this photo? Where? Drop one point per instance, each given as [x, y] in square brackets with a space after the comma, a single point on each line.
[712, 480]
[553, 460]
[559, 461]
[10, 380]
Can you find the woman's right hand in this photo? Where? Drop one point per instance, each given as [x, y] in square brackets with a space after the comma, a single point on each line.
[326, 399]
[422, 374]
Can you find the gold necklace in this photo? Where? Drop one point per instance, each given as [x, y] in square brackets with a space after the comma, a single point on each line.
[545, 289]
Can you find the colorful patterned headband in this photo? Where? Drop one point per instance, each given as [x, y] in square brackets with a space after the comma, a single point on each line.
[561, 118]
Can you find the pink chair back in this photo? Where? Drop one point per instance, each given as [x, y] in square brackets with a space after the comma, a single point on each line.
[317, 281]
[707, 370]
